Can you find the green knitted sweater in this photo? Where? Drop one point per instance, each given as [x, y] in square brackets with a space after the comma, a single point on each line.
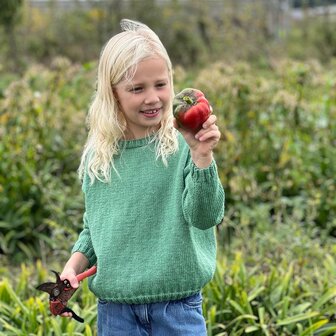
[151, 230]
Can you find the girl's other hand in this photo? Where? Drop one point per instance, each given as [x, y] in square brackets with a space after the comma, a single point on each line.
[70, 275]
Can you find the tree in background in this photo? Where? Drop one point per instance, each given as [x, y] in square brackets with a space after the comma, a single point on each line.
[9, 15]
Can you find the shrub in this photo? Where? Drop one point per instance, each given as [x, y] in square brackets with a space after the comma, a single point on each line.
[42, 129]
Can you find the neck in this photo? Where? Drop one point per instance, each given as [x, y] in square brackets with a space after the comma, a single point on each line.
[130, 135]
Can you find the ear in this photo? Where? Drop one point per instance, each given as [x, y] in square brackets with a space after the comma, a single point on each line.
[116, 97]
[115, 94]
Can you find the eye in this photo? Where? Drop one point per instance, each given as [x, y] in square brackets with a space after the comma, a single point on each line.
[160, 85]
[136, 89]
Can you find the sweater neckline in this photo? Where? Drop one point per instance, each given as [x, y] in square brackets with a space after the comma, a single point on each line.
[134, 143]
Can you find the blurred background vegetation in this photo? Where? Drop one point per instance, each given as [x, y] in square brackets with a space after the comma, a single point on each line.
[269, 70]
[195, 32]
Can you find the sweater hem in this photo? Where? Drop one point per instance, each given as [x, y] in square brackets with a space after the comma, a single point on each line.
[151, 298]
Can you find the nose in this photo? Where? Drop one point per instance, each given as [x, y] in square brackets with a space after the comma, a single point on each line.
[151, 98]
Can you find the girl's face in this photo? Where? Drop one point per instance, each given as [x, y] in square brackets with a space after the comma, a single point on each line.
[145, 98]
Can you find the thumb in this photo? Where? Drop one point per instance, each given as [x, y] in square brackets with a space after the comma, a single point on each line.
[74, 282]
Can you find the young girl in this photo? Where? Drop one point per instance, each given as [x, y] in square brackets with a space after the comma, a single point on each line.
[152, 197]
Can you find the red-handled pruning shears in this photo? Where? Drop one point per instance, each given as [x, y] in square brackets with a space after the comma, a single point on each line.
[61, 292]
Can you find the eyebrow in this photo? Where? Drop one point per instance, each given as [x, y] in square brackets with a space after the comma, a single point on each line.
[131, 84]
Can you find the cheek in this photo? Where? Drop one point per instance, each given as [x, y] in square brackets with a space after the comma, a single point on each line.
[169, 99]
[126, 101]
[167, 96]
[167, 102]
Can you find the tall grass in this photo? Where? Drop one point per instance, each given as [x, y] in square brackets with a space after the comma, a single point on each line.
[246, 296]
[273, 283]
[24, 311]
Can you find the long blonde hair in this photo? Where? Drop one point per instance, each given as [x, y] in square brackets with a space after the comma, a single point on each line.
[106, 124]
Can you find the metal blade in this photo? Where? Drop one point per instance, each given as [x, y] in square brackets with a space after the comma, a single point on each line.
[46, 287]
[58, 279]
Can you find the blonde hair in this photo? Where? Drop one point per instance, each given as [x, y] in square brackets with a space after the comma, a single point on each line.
[106, 124]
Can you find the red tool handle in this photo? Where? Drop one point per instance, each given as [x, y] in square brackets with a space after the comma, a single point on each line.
[87, 273]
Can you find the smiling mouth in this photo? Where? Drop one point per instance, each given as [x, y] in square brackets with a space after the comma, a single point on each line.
[151, 112]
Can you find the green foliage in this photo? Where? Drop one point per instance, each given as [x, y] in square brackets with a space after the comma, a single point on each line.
[274, 281]
[195, 32]
[42, 128]
[285, 117]
[267, 301]
[276, 151]
[250, 294]
[9, 11]
[25, 312]
[316, 34]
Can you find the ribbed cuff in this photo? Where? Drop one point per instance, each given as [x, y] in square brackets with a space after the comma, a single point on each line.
[203, 174]
[87, 250]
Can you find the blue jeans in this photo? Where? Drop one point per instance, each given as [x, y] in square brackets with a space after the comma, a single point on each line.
[169, 318]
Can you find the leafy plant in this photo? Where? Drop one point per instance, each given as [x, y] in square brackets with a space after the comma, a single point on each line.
[42, 126]
[266, 300]
[287, 120]
[23, 311]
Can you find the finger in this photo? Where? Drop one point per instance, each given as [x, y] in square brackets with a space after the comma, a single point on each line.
[210, 121]
[66, 314]
[213, 135]
[72, 278]
[203, 131]
[74, 283]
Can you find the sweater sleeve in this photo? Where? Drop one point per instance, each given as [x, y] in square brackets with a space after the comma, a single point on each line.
[84, 243]
[203, 196]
